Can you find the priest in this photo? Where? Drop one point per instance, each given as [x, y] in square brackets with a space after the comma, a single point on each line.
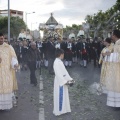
[113, 73]
[8, 62]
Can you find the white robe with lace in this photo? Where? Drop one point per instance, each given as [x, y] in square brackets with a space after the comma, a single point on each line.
[113, 77]
[9, 59]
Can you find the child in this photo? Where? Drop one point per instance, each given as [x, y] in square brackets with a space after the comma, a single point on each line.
[62, 79]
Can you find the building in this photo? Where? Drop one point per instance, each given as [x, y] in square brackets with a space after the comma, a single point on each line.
[35, 34]
[13, 13]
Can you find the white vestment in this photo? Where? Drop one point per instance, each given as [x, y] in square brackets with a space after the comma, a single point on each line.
[9, 59]
[113, 77]
[61, 96]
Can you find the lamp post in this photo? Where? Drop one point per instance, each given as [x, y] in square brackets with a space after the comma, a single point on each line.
[26, 18]
[9, 20]
[32, 24]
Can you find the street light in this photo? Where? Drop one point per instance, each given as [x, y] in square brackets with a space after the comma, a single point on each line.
[9, 20]
[26, 18]
[32, 24]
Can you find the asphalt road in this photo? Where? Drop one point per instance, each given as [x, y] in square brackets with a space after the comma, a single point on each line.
[28, 101]
[85, 104]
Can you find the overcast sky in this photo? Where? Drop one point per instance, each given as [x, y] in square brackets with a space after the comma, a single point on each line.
[67, 12]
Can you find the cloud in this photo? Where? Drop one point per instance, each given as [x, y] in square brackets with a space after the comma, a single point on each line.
[67, 12]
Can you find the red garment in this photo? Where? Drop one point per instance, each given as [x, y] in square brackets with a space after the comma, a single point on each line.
[84, 51]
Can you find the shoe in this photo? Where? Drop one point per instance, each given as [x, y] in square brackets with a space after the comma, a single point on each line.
[51, 73]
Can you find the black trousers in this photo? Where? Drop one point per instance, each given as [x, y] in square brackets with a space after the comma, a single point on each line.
[32, 67]
[50, 64]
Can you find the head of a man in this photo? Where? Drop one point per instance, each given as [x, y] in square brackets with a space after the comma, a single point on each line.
[20, 44]
[107, 41]
[33, 45]
[115, 35]
[1, 38]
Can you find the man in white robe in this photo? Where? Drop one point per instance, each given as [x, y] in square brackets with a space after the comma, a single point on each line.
[61, 96]
[8, 61]
[113, 72]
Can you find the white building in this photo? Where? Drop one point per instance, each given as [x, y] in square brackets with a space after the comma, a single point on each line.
[13, 13]
[35, 34]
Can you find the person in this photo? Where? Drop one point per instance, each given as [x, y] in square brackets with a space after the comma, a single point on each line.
[94, 51]
[19, 54]
[62, 78]
[84, 53]
[105, 64]
[33, 56]
[113, 73]
[69, 54]
[78, 49]
[24, 51]
[8, 62]
[74, 56]
[50, 55]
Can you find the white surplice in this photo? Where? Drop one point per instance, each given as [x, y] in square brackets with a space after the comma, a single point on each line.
[9, 59]
[113, 77]
[61, 95]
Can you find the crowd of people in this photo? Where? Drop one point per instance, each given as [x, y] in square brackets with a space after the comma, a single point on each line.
[80, 51]
[34, 54]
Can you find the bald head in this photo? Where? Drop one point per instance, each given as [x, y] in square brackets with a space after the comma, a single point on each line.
[33, 45]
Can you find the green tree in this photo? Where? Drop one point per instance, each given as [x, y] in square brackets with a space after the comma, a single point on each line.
[68, 29]
[16, 24]
[104, 22]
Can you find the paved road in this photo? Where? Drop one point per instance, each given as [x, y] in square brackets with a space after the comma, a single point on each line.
[28, 101]
[85, 104]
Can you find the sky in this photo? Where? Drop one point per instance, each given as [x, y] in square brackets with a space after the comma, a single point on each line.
[66, 12]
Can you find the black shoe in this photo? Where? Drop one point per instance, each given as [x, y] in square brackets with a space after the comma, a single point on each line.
[51, 73]
[116, 108]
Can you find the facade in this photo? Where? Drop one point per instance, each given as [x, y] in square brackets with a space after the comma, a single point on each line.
[35, 34]
[13, 13]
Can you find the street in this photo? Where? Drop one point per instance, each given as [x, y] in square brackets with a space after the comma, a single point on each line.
[85, 104]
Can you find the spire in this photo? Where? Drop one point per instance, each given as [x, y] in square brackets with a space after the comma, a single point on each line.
[51, 20]
[51, 14]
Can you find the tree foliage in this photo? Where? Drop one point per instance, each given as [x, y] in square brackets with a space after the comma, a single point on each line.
[68, 29]
[105, 21]
[16, 24]
[99, 22]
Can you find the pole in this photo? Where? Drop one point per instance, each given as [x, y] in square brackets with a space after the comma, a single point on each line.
[9, 20]
[26, 21]
[31, 26]
[26, 25]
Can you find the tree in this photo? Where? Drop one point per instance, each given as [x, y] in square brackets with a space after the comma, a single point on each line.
[16, 24]
[104, 22]
[68, 29]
